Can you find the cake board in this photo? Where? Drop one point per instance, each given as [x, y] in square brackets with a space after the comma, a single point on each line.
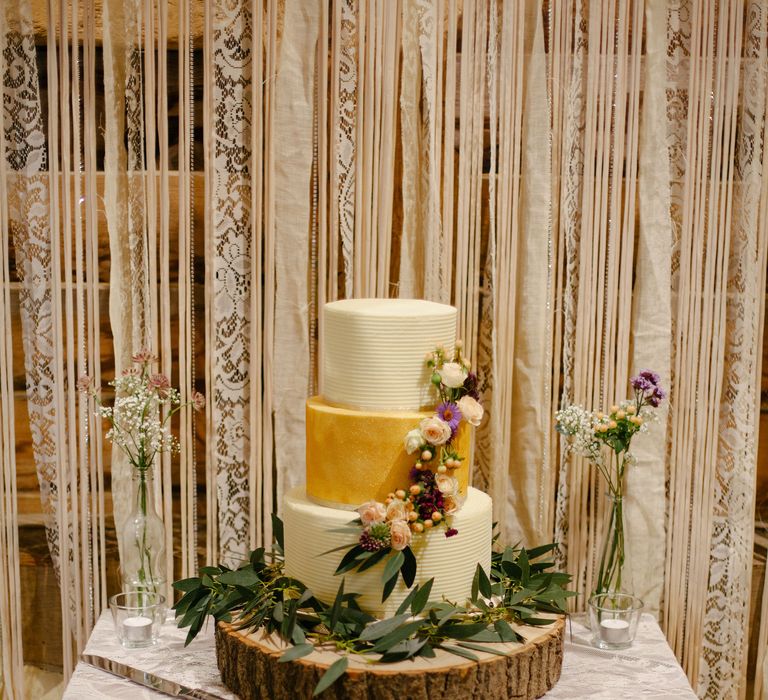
[249, 666]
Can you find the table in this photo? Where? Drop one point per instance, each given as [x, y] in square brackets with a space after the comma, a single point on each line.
[646, 670]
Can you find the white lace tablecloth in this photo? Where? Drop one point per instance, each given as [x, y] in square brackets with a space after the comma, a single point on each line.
[646, 670]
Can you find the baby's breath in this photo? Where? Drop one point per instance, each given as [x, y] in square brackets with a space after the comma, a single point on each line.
[139, 419]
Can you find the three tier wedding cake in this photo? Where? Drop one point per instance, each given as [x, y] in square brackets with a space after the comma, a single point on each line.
[389, 457]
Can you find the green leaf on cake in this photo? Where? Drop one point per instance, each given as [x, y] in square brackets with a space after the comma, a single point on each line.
[525, 570]
[336, 609]
[334, 672]
[505, 631]
[407, 600]
[396, 635]
[257, 557]
[393, 566]
[458, 630]
[389, 586]
[403, 650]
[422, 597]
[374, 559]
[458, 651]
[427, 651]
[408, 567]
[296, 652]
[383, 627]
[349, 560]
[241, 577]
[481, 647]
[484, 584]
[536, 552]
[334, 549]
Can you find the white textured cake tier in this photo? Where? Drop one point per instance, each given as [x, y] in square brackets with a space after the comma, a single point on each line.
[373, 351]
[450, 560]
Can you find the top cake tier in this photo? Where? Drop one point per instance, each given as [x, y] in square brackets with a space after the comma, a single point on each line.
[373, 351]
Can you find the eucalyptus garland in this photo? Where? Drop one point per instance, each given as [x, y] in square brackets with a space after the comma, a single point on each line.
[258, 595]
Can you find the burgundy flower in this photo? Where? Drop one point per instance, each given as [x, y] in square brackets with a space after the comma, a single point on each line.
[451, 531]
[471, 386]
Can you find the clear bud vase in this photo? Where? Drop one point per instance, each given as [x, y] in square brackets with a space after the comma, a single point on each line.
[142, 540]
[611, 575]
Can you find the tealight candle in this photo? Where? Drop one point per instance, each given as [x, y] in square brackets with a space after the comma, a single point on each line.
[614, 631]
[137, 629]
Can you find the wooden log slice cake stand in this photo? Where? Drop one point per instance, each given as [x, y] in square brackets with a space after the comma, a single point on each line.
[249, 667]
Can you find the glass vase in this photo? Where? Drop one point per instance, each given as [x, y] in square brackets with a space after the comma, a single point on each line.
[611, 576]
[142, 540]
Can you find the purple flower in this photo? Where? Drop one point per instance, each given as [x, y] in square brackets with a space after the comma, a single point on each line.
[657, 397]
[450, 413]
[640, 383]
[648, 383]
[651, 376]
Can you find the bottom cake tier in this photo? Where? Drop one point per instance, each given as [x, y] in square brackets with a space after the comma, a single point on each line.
[310, 530]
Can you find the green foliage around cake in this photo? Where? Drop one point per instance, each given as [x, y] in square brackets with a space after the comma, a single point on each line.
[258, 595]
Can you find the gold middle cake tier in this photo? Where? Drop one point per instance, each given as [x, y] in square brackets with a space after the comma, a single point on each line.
[355, 456]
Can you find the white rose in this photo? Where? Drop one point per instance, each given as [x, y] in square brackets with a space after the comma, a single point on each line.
[470, 409]
[452, 374]
[400, 534]
[413, 441]
[396, 510]
[447, 484]
[435, 430]
[372, 512]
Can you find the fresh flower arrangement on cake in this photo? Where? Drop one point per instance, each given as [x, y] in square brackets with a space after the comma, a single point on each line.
[432, 497]
[520, 586]
[604, 438]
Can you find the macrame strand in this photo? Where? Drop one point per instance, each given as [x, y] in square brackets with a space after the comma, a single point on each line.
[164, 249]
[211, 511]
[185, 185]
[89, 345]
[10, 600]
[255, 476]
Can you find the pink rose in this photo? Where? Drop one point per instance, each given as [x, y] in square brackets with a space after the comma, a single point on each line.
[400, 534]
[396, 510]
[435, 430]
[372, 512]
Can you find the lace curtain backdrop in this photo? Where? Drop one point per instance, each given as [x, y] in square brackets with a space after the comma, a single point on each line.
[582, 179]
